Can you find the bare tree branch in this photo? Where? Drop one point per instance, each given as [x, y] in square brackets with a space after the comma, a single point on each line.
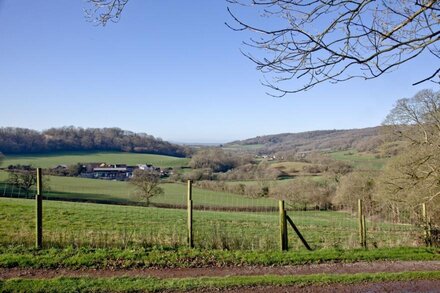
[103, 11]
[316, 41]
[302, 43]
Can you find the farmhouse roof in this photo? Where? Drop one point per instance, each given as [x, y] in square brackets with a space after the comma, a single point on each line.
[109, 169]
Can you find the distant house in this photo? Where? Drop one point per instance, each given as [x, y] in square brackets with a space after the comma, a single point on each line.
[267, 157]
[147, 167]
[118, 171]
[113, 172]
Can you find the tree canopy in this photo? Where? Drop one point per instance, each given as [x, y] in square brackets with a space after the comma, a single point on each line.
[147, 184]
[23, 177]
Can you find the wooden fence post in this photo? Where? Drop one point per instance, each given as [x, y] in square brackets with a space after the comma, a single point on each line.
[364, 230]
[190, 215]
[361, 226]
[426, 227]
[283, 227]
[39, 211]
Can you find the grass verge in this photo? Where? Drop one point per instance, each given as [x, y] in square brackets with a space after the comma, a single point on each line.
[76, 258]
[126, 284]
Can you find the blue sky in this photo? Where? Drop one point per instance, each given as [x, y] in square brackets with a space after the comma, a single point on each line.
[171, 69]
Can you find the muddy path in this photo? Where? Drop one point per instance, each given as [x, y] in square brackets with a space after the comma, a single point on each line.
[328, 268]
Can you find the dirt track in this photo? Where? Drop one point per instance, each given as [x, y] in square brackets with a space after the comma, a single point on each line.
[332, 268]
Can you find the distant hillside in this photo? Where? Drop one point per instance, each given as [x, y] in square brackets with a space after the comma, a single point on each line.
[366, 139]
[21, 140]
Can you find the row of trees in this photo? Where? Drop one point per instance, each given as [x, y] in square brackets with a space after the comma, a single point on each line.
[20, 140]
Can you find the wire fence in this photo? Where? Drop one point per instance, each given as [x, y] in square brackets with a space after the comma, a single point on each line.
[340, 228]
[99, 213]
[235, 222]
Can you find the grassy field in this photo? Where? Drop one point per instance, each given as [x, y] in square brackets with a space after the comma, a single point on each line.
[291, 168]
[363, 161]
[73, 188]
[98, 225]
[243, 147]
[70, 158]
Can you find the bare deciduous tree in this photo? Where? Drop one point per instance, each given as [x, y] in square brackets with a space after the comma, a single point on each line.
[316, 41]
[414, 175]
[147, 183]
[357, 185]
[24, 178]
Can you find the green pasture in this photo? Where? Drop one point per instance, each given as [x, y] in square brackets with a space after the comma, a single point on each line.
[74, 188]
[363, 161]
[272, 183]
[291, 168]
[99, 225]
[71, 158]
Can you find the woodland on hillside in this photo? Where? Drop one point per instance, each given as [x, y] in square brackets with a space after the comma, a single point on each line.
[366, 139]
[15, 140]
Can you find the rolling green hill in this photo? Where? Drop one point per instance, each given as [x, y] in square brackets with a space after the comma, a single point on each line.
[70, 158]
[363, 161]
[319, 140]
